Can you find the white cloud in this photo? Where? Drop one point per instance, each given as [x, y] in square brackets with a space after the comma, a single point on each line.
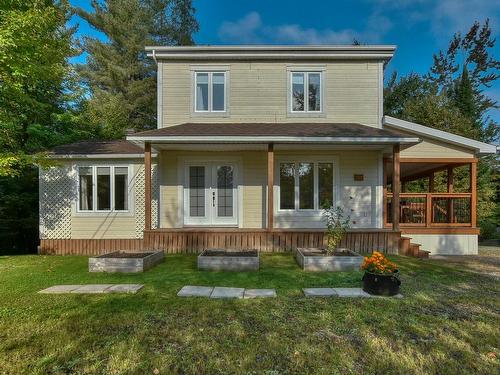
[250, 29]
[445, 17]
[459, 15]
[243, 30]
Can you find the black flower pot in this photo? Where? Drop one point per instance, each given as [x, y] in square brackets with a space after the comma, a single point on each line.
[381, 285]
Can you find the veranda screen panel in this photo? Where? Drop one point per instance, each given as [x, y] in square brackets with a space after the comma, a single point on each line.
[325, 185]
[306, 186]
[287, 186]
[85, 189]
[121, 188]
[103, 188]
[197, 191]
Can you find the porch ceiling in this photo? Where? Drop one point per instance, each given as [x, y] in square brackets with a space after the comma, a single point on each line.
[416, 169]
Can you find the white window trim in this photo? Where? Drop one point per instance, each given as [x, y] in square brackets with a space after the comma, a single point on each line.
[308, 211]
[210, 91]
[112, 188]
[306, 110]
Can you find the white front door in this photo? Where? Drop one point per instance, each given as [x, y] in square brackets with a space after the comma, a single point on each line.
[210, 194]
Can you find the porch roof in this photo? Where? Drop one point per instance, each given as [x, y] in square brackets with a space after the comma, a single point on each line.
[341, 133]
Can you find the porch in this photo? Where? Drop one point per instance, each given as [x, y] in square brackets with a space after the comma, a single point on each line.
[431, 195]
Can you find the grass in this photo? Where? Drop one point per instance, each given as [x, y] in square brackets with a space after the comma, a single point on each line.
[446, 324]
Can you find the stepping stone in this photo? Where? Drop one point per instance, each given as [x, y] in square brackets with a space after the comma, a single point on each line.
[195, 291]
[92, 288]
[125, 288]
[259, 293]
[59, 289]
[351, 292]
[399, 295]
[221, 292]
[319, 292]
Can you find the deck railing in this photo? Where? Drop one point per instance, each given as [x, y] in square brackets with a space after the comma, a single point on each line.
[432, 209]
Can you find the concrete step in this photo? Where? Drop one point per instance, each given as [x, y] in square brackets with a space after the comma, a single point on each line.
[423, 254]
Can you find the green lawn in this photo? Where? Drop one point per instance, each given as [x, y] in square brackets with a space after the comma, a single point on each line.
[448, 322]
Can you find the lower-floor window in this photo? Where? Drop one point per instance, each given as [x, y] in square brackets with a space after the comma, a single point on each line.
[305, 185]
[103, 188]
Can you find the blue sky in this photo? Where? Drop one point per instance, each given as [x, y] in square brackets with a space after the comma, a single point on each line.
[418, 27]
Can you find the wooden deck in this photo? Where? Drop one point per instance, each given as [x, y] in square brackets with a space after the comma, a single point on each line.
[195, 240]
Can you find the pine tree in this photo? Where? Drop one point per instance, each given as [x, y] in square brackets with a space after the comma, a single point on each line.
[120, 77]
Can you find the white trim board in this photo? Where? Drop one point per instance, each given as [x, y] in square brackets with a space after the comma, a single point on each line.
[379, 52]
[479, 147]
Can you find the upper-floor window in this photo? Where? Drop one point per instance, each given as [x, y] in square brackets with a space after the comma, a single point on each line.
[210, 92]
[103, 188]
[305, 95]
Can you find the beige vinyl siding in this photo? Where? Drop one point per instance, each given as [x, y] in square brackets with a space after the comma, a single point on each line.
[360, 196]
[357, 198]
[431, 148]
[253, 177]
[170, 188]
[108, 226]
[98, 225]
[254, 189]
[258, 92]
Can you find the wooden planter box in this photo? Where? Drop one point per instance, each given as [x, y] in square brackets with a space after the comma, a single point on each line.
[120, 261]
[229, 260]
[317, 263]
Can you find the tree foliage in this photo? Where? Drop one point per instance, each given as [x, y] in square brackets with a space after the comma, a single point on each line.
[36, 101]
[452, 97]
[120, 77]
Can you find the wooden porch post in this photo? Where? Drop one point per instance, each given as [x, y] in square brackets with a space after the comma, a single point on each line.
[270, 187]
[147, 186]
[473, 190]
[450, 190]
[431, 182]
[396, 187]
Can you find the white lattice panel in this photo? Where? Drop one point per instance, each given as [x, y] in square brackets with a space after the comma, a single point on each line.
[139, 200]
[57, 191]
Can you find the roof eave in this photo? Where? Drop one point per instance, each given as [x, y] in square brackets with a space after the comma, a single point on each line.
[480, 148]
[98, 156]
[377, 52]
[274, 139]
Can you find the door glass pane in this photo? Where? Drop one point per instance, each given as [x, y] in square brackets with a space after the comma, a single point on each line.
[314, 92]
[218, 92]
[287, 186]
[297, 91]
[225, 184]
[121, 188]
[202, 91]
[103, 188]
[196, 191]
[86, 195]
[306, 185]
[325, 185]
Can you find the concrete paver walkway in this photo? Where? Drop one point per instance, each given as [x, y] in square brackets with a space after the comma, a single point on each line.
[224, 292]
[93, 289]
[341, 292]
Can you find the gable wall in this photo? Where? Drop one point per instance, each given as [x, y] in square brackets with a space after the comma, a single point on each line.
[258, 92]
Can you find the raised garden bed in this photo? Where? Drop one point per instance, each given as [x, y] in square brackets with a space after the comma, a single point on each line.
[229, 260]
[315, 259]
[121, 261]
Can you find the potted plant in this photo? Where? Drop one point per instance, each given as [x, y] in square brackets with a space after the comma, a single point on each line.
[381, 275]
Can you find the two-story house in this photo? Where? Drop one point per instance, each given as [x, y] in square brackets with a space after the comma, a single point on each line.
[251, 143]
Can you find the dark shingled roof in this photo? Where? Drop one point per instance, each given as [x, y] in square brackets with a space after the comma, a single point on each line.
[98, 147]
[272, 130]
